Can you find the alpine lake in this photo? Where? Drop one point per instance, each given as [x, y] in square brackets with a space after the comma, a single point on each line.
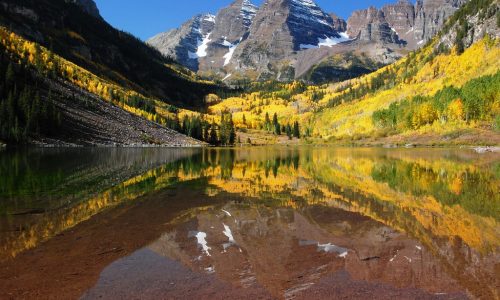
[261, 223]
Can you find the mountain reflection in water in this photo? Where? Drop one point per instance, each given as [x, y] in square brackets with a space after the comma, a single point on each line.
[258, 222]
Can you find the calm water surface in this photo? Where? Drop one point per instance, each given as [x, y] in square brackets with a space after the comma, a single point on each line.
[266, 223]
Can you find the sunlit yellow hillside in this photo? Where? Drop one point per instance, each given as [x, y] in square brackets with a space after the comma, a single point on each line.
[345, 111]
[50, 64]
[355, 118]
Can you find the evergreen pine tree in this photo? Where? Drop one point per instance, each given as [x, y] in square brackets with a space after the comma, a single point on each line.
[232, 135]
[276, 124]
[289, 131]
[206, 133]
[296, 130]
[9, 76]
[213, 135]
[267, 122]
[185, 125]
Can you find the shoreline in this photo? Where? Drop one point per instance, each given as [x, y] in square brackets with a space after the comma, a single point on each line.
[476, 148]
[59, 146]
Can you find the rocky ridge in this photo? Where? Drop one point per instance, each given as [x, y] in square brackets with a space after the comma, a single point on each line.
[271, 41]
[402, 23]
[248, 39]
[88, 6]
[188, 43]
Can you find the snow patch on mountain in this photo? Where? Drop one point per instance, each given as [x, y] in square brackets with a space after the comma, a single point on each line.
[232, 47]
[327, 41]
[201, 51]
[209, 18]
[201, 240]
[227, 232]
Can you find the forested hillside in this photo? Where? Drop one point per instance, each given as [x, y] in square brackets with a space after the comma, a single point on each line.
[93, 44]
[46, 99]
[71, 78]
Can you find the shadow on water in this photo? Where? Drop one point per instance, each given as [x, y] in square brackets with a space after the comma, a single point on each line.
[253, 222]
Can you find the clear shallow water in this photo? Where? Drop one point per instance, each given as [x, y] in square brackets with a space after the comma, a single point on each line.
[306, 223]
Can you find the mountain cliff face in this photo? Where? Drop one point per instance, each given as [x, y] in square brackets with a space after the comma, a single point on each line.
[371, 25]
[430, 16]
[188, 43]
[339, 24]
[215, 37]
[233, 22]
[272, 42]
[308, 24]
[281, 29]
[402, 22]
[474, 21]
[232, 27]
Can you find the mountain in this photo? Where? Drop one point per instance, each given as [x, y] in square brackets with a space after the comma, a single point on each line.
[255, 42]
[74, 79]
[280, 29]
[207, 42]
[188, 43]
[292, 39]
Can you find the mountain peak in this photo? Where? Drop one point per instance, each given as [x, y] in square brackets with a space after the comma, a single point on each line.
[88, 6]
[248, 11]
[275, 39]
[309, 24]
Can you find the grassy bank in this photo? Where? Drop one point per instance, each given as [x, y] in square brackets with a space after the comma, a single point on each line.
[481, 135]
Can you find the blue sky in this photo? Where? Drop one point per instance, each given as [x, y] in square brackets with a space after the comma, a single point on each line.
[149, 17]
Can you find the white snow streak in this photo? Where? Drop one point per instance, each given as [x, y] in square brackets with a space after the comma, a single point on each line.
[227, 232]
[328, 41]
[232, 47]
[203, 45]
[209, 18]
[330, 248]
[201, 237]
[344, 255]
